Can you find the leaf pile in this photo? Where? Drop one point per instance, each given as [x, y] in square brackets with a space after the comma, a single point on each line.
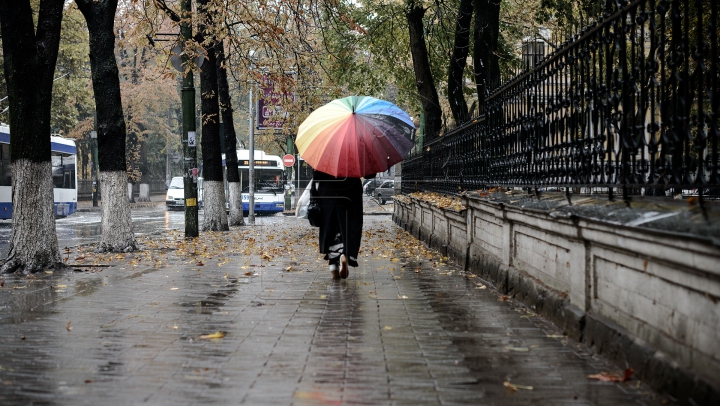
[440, 201]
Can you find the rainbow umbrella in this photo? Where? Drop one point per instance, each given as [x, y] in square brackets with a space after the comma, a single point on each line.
[355, 136]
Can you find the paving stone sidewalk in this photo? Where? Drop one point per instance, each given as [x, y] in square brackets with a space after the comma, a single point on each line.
[406, 328]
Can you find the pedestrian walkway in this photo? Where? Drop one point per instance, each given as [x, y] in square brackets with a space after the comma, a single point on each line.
[251, 316]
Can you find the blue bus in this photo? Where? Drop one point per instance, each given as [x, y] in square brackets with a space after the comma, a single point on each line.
[64, 176]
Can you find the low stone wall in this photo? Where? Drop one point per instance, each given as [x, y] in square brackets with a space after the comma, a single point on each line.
[647, 299]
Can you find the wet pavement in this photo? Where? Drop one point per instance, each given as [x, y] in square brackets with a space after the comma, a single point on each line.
[407, 328]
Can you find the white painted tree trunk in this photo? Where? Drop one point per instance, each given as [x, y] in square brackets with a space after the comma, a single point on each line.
[236, 212]
[214, 216]
[34, 243]
[117, 231]
[130, 192]
[144, 193]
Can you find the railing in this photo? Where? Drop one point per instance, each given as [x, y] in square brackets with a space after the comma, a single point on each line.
[629, 104]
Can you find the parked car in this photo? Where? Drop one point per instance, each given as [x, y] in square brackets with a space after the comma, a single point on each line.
[371, 185]
[385, 192]
[175, 198]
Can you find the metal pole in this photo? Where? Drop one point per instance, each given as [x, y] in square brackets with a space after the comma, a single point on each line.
[190, 171]
[168, 171]
[251, 164]
[96, 166]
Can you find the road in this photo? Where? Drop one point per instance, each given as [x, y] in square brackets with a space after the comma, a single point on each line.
[84, 227]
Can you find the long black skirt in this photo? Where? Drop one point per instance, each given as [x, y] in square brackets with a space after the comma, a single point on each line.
[342, 216]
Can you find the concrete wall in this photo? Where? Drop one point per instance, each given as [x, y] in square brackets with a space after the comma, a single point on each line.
[645, 298]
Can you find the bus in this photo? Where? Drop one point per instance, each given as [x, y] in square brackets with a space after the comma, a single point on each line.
[64, 176]
[269, 182]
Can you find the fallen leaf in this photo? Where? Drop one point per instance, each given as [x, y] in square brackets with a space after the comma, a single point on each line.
[68, 326]
[503, 298]
[174, 288]
[388, 328]
[289, 269]
[248, 274]
[212, 336]
[610, 377]
[515, 387]
[516, 349]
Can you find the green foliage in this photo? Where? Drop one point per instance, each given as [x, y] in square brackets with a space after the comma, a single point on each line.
[72, 99]
[72, 96]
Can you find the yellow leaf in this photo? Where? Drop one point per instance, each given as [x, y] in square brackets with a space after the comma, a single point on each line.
[174, 288]
[212, 336]
[388, 328]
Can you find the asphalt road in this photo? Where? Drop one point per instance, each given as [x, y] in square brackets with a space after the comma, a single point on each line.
[83, 227]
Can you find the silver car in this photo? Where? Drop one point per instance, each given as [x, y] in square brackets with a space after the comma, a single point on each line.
[385, 191]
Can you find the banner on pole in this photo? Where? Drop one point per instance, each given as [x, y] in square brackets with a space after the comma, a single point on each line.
[270, 111]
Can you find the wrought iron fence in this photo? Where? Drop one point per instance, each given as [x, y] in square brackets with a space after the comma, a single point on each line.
[629, 103]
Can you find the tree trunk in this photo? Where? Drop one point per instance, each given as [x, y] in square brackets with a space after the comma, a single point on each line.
[458, 60]
[30, 56]
[117, 233]
[215, 217]
[423, 74]
[231, 162]
[485, 36]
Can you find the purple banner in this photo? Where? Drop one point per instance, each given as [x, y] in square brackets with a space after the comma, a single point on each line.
[270, 113]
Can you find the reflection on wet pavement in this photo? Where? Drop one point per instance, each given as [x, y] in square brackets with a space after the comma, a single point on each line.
[406, 328]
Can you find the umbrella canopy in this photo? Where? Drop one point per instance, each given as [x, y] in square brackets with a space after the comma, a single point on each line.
[355, 136]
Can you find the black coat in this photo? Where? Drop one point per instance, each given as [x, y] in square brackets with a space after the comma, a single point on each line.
[342, 211]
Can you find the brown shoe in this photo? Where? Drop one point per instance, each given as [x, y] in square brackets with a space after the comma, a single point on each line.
[344, 271]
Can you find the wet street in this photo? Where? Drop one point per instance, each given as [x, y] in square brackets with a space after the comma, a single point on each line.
[83, 227]
[253, 317]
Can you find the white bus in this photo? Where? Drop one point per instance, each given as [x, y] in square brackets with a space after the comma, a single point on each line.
[269, 182]
[64, 162]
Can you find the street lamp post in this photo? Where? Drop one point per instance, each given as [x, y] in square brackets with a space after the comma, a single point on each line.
[95, 168]
[190, 171]
[251, 164]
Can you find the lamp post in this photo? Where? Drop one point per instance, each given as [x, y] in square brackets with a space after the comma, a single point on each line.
[95, 168]
[251, 164]
[190, 171]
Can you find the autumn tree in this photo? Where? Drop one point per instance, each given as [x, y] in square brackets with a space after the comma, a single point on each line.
[215, 217]
[235, 217]
[30, 53]
[150, 102]
[117, 231]
[458, 61]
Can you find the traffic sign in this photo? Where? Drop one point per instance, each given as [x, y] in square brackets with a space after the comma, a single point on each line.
[288, 160]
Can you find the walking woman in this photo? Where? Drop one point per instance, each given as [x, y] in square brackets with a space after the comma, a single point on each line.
[341, 228]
